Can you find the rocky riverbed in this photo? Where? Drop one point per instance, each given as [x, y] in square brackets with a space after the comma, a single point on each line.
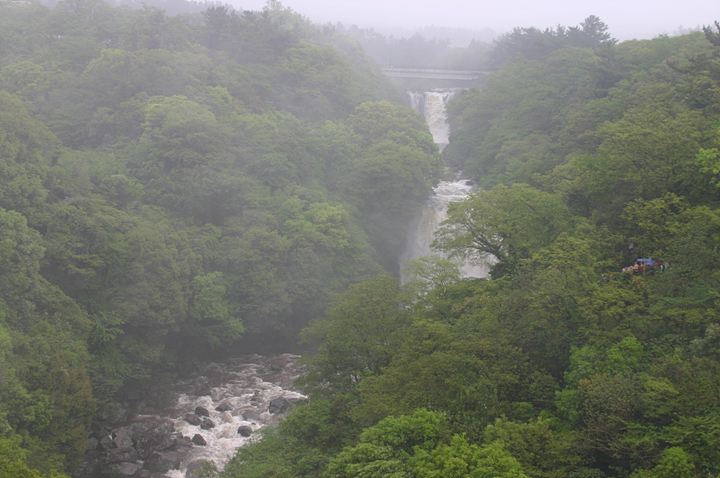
[210, 415]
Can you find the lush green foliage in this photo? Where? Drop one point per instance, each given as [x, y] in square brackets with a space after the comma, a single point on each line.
[593, 155]
[169, 184]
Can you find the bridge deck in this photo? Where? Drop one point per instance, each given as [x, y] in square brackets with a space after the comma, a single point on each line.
[432, 74]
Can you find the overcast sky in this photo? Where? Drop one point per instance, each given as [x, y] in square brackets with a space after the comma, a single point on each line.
[626, 19]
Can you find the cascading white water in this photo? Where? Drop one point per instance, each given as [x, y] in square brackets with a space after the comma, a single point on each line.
[433, 213]
[210, 415]
[247, 386]
[431, 104]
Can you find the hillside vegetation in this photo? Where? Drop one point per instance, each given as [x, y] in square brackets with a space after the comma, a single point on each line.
[559, 365]
[169, 185]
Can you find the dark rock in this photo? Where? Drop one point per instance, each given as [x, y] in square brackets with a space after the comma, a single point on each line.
[279, 406]
[245, 431]
[174, 457]
[196, 468]
[250, 415]
[193, 419]
[203, 390]
[202, 412]
[119, 455]
[470, 183]
[223, 407]
[153, 436]
[88, 468]
[146, 446]
[182, 441]
[92, 444]
[158, 463]
[119, 470]
[107, 443]
[123, 438]
[207, 424]
[199, 440]
[98, 430]
[169, 441]
[153, 427]
[275, 368]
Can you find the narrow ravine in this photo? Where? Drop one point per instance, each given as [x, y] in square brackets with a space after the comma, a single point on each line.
[431, 103]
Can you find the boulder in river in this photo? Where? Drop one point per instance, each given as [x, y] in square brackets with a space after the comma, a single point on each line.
[223, 407]
[118, 455]
[245, 431]
[193, 419]
[202, 412]
[159, 463]
[279, 406]
[199, 440]
[207, 424]
[182, 441]
[123, 438]
[251, 415]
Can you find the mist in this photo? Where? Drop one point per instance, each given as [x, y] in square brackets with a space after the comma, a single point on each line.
[626, 20]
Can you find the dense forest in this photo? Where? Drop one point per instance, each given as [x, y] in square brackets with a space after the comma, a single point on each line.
[590, 154]
[171, 185]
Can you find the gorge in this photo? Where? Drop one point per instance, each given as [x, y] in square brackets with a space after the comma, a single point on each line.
[431, 104]
[218, 409]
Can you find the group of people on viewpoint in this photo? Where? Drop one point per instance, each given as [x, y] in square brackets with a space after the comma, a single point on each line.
[641, 266]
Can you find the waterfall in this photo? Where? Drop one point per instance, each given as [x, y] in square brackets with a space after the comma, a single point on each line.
[431, 103]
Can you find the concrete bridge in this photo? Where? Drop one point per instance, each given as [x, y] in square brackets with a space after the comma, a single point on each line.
[420, 73]
[426, 77]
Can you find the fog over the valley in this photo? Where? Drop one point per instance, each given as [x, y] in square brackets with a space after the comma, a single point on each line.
[627, 19]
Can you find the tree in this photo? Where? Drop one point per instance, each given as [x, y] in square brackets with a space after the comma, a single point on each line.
[712, 36]
[470, 379]
[25, 150]
[17, 469]
[179, 134]
[655, 144]
[593, 32]
[460, 460]
[45, 398]
[358, 336]
[387, 449]
[399, 163]
[428, 278]
[502, 226]
[541, 450]
[674, 463]
[214, 320]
